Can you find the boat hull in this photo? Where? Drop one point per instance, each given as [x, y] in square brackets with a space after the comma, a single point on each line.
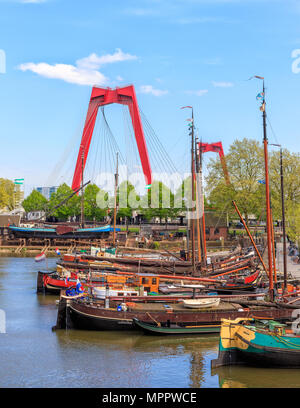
[176, 331]
[240, 344]
[51, 233]
[90, 316]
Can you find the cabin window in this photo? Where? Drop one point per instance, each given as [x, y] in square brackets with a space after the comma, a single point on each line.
[207, 231]
[120, 294]
[217, 231]
[144, 281]
[133, 294]
[153, 281]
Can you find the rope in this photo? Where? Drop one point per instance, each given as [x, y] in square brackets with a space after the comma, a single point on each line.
[279, 339]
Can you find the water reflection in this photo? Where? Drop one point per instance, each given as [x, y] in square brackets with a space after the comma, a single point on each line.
[252, 377]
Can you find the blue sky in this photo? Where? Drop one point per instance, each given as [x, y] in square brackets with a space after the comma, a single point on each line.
[175, 52]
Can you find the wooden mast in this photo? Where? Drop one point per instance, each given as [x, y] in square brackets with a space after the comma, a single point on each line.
[193, 196]
[200, 203]
[82, 193]
[204, 252]
[273, 247]
[115, 205]
[283, 226]
[269, 233]
[198, 197]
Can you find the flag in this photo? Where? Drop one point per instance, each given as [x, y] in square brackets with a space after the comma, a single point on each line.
[19, 181]
[256, 76]
[40, 257]
[262, 181]
[57, 251]
[66, 280]
[263, 106]
[260, 96]
[79, 288]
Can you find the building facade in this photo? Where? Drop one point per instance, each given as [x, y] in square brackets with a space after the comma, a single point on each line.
[47, 191]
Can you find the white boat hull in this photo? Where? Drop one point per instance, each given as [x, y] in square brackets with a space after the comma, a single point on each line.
[201, 303]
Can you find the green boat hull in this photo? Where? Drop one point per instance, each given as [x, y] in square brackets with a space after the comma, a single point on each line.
[164, 330]
[260, 348]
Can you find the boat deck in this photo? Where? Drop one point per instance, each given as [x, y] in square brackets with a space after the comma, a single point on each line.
[176, 307]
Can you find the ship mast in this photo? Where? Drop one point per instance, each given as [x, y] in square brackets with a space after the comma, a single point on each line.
[198, 197]
[269, 232]
[283, 225]
[82, 194]
[115, 205]
[202, 216]
[283, 221]
[193, 195]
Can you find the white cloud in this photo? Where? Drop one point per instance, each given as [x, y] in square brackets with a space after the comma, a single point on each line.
[222, 84]
[199, 92]
[84, 72]
[93, 61]
[148, 89]
[119, 78]
[67, 73]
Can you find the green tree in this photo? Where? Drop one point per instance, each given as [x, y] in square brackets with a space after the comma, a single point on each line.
[35, 202]
[127, 199]
[6, 194]
[291, 177]
[70, 208]
[245, 164]
[158, 202]
[91, 209]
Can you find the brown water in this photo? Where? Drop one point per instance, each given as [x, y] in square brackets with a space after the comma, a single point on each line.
[34, 356]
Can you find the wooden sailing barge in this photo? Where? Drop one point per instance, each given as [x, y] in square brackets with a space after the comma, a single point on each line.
[88, 314]
[257, 342]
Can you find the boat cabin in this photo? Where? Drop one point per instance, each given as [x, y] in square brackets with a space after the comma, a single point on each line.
[150, 282]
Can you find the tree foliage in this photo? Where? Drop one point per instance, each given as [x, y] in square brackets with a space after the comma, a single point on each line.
[70, 208]
[158, 202]
[245, 164]
[35, 202]
[6, 194]
[127, 199]
[91, 209]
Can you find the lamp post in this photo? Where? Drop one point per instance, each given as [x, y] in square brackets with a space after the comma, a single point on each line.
[283, 220]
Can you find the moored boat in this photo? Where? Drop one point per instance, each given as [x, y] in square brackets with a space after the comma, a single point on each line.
[260, 343]
[61, 233]
[201, 303]
[175, 329]
[90, 314]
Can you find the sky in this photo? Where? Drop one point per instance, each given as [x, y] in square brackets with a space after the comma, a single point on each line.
[199, 53]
